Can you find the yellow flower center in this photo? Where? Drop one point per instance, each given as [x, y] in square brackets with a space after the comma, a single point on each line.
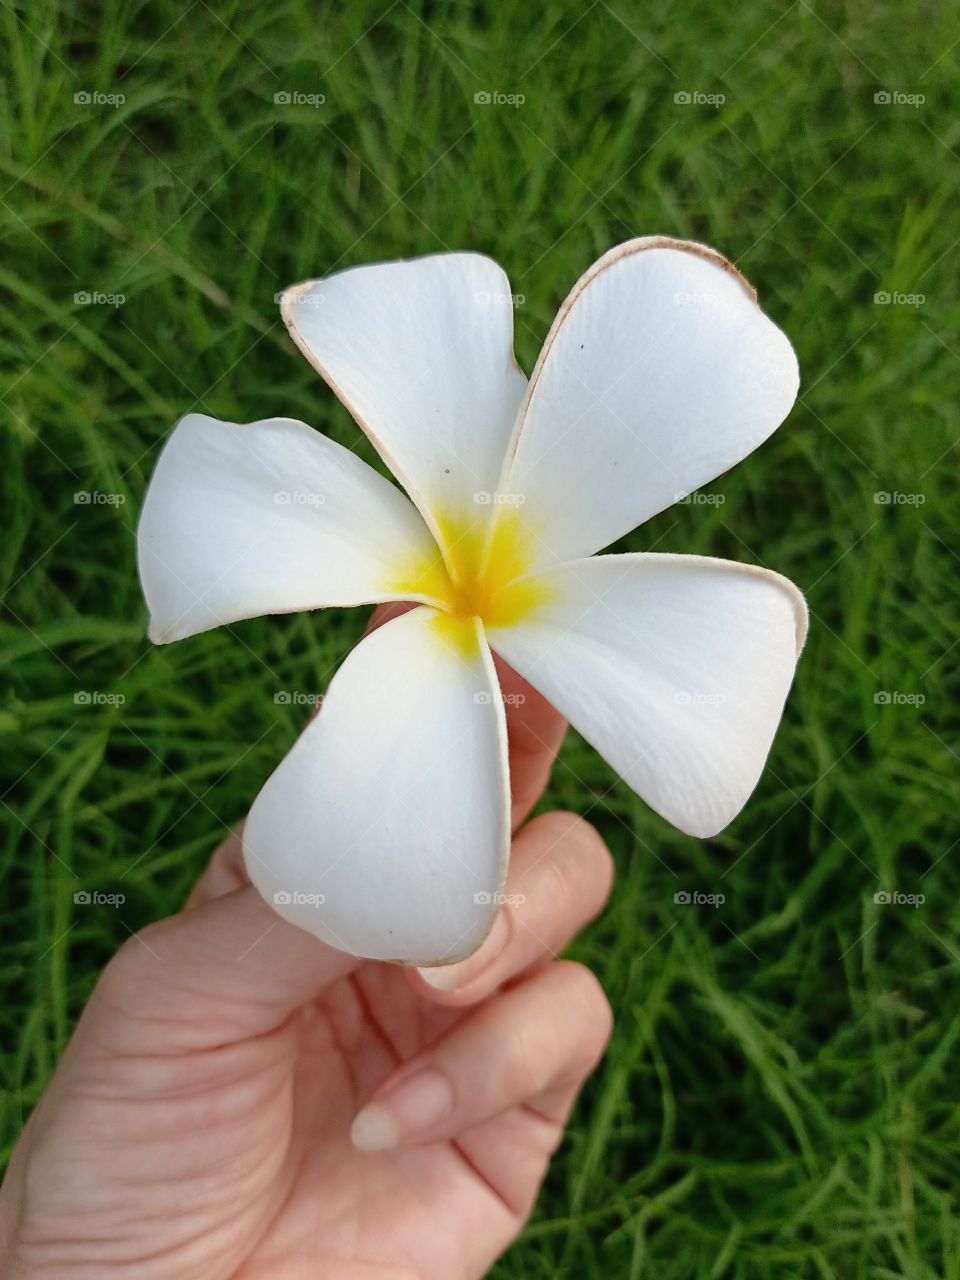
[478, 572]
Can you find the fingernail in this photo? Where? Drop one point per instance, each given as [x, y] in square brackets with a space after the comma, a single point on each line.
[449, 977]
[414, 1105]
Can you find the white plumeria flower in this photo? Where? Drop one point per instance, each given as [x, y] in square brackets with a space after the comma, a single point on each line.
[386, 829]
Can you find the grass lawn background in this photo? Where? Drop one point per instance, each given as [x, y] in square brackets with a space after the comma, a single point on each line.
[780, 1098]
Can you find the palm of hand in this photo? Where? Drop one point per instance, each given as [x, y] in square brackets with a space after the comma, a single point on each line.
[244, 1155]
[198, 1126]
[357, 1209]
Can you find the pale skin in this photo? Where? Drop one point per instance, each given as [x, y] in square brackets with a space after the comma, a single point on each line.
[199, 1124]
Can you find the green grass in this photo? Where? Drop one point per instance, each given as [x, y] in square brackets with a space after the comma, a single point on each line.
[778, 1100]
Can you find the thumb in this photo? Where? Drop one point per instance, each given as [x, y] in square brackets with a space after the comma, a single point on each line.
[210, 976]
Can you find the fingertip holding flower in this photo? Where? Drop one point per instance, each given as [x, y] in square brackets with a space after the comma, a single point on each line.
[373, 1129]
[385, 831]
[453, 977]
[406, 1109]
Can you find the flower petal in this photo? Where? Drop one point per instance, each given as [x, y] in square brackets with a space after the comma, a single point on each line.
[675, 668]
[393, 806]
[660, 372]
[421, 353]
[269, 517]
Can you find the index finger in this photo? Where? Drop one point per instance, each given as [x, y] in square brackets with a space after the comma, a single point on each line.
[535, 732]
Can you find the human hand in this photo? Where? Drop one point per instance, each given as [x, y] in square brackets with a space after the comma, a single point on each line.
[199, 1124]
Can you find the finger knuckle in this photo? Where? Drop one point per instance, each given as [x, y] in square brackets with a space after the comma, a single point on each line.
[556, 826]
[601, 859]
[593, 848]
[581, 864]
[593, 865]
[561, 827]
[128, 968]
[558, 877]
[586, 1001]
